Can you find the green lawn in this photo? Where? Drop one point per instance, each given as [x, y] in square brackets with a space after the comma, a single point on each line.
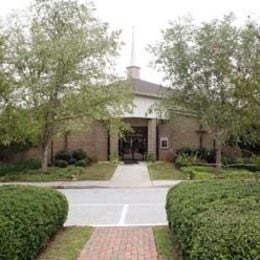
[164, 171]
[96, 171]
[67, 244]
[165, 244]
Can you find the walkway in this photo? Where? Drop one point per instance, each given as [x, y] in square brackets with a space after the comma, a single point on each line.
[131, 175]
[120, 244]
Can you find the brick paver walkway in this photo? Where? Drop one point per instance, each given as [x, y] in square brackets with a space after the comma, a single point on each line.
[120, 243]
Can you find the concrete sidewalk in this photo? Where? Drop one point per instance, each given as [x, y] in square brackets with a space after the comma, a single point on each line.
[125, 176]
[90, 184]
[131, 175]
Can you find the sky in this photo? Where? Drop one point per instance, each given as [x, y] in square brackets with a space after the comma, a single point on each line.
[149, 17]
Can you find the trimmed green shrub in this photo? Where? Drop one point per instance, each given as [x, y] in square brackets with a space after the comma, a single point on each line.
[29, 216]
[204, 154]
[186, 160]
[72, 157]
[216, 219]
[79, 154]
[61, 163]
[64, 155]
[9, 168]
[82, 163]
[207, 172]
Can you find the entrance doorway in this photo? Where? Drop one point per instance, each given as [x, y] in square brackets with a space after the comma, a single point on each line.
[133, 147]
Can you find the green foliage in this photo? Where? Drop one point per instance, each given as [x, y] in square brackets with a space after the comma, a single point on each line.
[207, 173]
[77, 157]
[29, 216]
[114, 158]
[79, 154]
[207, 155]
[64, 155]
[186, 160]
[251, 164]
[13, 168]
[216, 219]
[62, 56]
[53, 174]
[213, 69]
[61, 163]
[82, 163]
[150, 157]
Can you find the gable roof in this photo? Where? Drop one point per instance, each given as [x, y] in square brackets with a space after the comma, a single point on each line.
[145, 88]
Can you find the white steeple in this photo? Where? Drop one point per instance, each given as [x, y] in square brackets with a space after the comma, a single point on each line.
[133, 71]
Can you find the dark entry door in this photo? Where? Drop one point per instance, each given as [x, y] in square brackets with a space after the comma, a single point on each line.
[133, 147]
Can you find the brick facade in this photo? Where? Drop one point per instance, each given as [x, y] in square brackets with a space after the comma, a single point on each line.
[180, 132]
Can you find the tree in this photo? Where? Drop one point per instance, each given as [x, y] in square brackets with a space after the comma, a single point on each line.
[61, 57]
[202, 64]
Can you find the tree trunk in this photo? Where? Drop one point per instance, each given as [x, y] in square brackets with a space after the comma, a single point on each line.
[218, 152]
[45, 149]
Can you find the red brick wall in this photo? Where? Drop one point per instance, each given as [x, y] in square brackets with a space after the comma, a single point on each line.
[181, 132]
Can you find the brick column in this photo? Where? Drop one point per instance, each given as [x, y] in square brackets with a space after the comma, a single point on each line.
[152, 142]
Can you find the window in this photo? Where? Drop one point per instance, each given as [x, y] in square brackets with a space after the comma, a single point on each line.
[164, 143]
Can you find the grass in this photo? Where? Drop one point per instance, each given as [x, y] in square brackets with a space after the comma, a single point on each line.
[96, 171]
[67, 244]
[165, 244]
[164, 171]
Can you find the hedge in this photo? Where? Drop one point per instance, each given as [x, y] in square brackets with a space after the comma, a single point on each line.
[13, 168]
[29, 216]
[216, 219]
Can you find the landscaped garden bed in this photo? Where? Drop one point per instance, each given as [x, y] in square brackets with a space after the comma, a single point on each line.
[208, 172]
[29, 217]
[216, 219]
[28, 171]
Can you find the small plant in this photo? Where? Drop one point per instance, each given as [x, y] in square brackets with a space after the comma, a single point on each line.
[79, 154]
[75, 157]
[61, 163]
[114, 158]
[186, 160]
[151, 157]
[64, 155]
[82, 163]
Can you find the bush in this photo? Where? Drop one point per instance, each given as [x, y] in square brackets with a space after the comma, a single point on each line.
[82, 163]
[61, 163]
[207, 155]
[29, 216]
[9, 168]
[79, 155]
[72, 157]
[207, 172]
[186, 160]
[216, 219]
[151, 157]
[64, 155]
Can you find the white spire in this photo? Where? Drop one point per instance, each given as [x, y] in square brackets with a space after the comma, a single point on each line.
[133, 55]
[133, 71]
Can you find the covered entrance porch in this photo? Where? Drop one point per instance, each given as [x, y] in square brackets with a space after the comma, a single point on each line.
[139, 144]
[133, 147]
